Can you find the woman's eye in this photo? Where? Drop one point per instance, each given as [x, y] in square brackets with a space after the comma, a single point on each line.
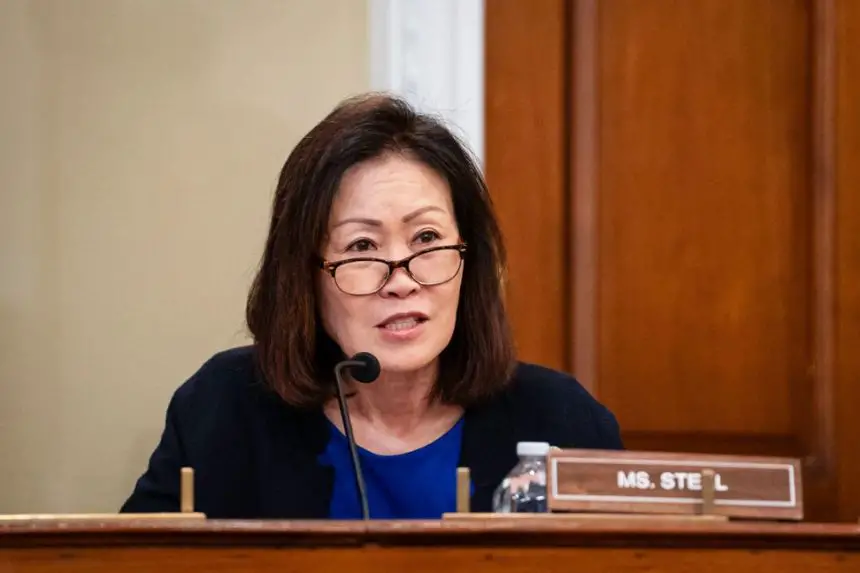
[360, 245]
[427, 236]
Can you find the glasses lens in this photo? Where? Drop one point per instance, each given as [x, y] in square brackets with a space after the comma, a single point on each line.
[435, 267]
[360, 277]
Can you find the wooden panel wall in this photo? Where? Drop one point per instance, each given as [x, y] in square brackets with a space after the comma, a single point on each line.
[845, 18]
[702, 212]
[526, 85]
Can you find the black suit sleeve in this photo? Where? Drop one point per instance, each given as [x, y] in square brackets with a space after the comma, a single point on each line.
[157, 490]
[608, 431]
[554, 407]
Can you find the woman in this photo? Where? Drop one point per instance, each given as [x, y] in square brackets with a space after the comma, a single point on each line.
[382, 240]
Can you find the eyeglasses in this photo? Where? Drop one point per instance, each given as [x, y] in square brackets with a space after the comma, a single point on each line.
[367, 275]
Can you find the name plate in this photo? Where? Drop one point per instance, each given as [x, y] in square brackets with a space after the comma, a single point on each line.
[671, 483]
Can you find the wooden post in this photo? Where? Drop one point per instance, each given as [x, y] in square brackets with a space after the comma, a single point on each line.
[708, 492]
[186, 503]
[463, 490]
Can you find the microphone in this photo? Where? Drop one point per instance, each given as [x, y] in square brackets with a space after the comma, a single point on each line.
[365, 369]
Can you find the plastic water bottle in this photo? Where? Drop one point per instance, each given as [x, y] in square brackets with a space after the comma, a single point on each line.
[524, 488]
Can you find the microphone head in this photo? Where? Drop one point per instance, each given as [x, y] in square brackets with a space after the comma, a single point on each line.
[369, 369]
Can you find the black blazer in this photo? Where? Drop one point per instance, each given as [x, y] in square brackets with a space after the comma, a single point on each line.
[255, 456]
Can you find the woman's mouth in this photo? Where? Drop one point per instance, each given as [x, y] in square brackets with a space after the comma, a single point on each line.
[403, 326]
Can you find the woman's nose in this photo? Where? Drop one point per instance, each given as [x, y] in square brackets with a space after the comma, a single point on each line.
[400, 284]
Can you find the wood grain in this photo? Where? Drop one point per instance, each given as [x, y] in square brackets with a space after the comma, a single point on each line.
[814, 404]
[584, 157]
[30, 518]
[704, 213]
[547, 531]
[494, 545]
[847, 283]
[526, 129]
[717, 149]
[421, 559]
[709, 282]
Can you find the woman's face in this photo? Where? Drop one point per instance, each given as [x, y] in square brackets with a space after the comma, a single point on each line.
[390, 208]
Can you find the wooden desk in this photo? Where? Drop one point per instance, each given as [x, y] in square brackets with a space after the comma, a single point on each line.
[562, 545]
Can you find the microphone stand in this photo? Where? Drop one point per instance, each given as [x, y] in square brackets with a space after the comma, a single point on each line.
[347, 427]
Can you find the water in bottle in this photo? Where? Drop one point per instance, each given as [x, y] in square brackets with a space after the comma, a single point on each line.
[524, 489]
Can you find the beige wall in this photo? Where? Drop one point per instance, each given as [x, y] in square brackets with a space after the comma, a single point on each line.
[139, 146]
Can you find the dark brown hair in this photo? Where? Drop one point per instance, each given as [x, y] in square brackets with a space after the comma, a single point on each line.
[295, 355]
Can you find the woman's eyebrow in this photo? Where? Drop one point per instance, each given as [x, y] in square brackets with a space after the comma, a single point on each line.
[359, 220]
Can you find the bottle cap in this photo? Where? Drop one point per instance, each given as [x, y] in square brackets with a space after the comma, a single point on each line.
[532, 448]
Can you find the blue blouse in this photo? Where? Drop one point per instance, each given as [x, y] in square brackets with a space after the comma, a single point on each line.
[421, 484]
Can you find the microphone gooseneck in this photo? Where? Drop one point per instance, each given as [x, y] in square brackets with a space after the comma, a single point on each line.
[365, 369]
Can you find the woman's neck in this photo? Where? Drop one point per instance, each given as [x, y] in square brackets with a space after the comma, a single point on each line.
[397, 400]
[395, 413]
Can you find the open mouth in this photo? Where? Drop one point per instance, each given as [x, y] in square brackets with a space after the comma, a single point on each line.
[403, 323]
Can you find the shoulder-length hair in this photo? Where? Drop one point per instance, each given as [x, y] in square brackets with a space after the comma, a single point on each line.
[295, 355]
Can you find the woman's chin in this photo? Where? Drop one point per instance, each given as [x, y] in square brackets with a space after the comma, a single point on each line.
[404, 361]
